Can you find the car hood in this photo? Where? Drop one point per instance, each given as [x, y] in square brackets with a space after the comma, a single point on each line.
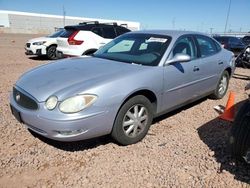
[39, 39]
[49, 79]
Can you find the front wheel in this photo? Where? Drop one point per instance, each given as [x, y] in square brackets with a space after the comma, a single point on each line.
[51, 53]
[222, 86]
[133, 120]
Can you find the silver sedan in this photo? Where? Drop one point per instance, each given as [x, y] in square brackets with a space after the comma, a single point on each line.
[122, 87]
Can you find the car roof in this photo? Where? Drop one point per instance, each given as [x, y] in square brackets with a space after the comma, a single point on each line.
[90, 26]
[172, 33]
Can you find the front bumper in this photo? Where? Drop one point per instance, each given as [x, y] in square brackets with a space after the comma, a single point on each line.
[35, 50]
[63, 127]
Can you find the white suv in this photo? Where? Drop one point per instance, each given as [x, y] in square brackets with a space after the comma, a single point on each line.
[43, 45]
[86, 38]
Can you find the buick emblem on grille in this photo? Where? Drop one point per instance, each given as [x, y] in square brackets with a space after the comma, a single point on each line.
[18, 97]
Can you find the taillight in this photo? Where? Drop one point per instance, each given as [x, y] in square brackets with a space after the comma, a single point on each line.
[73, 41]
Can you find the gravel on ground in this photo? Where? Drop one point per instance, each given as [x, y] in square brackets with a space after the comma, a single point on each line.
[184, 148]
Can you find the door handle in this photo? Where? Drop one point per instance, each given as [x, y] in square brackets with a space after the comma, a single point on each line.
[220, 63]
[196, 68]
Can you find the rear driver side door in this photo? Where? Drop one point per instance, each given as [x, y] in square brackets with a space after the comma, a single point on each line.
[211, 64]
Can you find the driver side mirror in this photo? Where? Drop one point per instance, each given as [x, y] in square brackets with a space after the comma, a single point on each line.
[179, 57]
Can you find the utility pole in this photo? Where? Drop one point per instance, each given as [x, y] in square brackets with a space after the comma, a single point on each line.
[228, 12]
[211, 30]
[64, 14]
[173, 23]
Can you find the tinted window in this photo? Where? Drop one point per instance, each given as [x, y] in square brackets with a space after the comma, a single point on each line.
[234, 40]
[67, 33]
[56, 34]
[206, 45]
[185, 45]
[98, 31]
[121, 30]
[109, 32]
[221, 40]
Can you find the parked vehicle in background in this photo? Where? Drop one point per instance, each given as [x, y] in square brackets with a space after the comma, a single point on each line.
[231, 43]
[243, 59]
[246, 40]
[240, 132]
[121, 87]
[43, 45]
[87, 37]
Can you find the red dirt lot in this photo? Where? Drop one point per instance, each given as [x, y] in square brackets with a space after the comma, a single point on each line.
[185, 148]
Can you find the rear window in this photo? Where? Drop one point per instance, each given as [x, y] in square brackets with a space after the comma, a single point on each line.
[67, 33]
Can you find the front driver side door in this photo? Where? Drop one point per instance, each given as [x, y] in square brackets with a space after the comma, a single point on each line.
[179, 78]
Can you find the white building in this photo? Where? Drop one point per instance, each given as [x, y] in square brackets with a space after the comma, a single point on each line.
[33, 23]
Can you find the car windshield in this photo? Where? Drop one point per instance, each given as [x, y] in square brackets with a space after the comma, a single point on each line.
[144, 49]
[56, 34]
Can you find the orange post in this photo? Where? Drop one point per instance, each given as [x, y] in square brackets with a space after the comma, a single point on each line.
[229, 112]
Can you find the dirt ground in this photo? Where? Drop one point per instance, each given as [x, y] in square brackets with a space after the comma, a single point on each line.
[185, 148]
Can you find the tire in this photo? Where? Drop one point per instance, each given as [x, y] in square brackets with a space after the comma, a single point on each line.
[246, 65]
[222, 86]
[89, 52]
[51, 52]
[133, 120]
[239, 139]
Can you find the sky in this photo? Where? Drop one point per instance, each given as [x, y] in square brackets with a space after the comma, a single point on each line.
[197, 15]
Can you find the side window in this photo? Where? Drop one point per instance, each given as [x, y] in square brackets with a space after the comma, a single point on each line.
[109, 32]
[234, 41]
[98, 31]
[123, 46]
[206, 45]
[185, 45]
[121, 30]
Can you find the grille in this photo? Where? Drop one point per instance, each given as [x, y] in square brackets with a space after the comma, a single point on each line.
[28, 45]
[24, 100]
[37, 130]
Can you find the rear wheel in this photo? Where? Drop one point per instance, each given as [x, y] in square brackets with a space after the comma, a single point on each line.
[239, 139]
[133, 120]
[222, 86]
[51, 52]
[89, 52]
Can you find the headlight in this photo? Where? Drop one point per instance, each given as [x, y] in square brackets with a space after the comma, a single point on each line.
[51, 102]
[39, 43]
[76, 103]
